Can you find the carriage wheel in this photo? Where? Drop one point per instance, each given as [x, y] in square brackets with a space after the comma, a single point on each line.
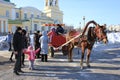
[65, 50]
[52, 51]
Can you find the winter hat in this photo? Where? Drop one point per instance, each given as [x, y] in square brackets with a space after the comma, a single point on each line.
[58, 25]
[29, 48]
[44, 33]
[19, 28]
[24, 31]
[38, 31]
[53, 29]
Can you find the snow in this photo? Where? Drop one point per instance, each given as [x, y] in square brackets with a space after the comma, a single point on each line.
[2, 38]
[114, 37]
[3, 44]
[113, 41]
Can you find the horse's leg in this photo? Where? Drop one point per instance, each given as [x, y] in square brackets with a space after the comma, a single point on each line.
[88, 56]
[69, 49]
[71, 55]
[70, 52]
[82, 56]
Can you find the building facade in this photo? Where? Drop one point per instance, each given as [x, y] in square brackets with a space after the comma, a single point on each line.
[29, 18]
[52, 10]
[6, 9]
[115, 28]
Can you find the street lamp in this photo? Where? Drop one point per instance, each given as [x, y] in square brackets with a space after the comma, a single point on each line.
[80, 26]
[84, 20]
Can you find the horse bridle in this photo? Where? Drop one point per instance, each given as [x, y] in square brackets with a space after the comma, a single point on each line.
[98, 33]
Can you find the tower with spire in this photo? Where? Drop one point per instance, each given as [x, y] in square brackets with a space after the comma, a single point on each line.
[52, 10]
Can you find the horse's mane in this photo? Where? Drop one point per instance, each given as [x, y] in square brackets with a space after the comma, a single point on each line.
[86, 26]
[90, 34]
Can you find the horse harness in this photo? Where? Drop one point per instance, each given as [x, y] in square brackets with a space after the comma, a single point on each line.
[90, 37]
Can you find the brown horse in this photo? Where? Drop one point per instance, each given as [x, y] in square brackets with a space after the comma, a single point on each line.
[69, 47]
[96, 33]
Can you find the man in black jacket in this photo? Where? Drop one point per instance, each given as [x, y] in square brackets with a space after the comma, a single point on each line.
[17, 45]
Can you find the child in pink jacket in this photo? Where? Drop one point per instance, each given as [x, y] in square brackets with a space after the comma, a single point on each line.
[31, 56]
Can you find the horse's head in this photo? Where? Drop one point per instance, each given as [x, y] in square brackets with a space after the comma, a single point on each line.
[101, 33]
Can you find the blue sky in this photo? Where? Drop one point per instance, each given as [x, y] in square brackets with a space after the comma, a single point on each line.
[102, 11]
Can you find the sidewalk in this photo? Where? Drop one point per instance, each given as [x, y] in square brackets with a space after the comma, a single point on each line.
[104, 66]
[5, 64]
[5, 53]
[43, 70]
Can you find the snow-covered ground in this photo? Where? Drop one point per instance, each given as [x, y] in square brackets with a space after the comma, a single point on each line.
[114, 42]
[2, 38]
[3, 44]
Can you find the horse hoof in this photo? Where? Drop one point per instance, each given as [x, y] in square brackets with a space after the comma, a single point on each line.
[81, 67]
[88, 66]
[70, 60]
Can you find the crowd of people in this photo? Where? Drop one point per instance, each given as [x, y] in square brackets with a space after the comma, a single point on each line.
[19, 45]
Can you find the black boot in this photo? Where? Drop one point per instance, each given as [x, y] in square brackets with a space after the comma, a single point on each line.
[11, 60]
[46, 58]
[16, 73]
[42, 57]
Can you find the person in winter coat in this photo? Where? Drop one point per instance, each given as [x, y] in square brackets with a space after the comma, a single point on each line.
[51, 34]
[36, 42]
[31, 56]
[24, 40]
[59, 29]
[44, 40]
[9, 40]
[17, 45]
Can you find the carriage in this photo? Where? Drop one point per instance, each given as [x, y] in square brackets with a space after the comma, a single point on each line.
[57, 41]
[84, 42]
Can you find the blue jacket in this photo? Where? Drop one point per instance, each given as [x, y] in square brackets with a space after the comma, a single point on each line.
[9, 37]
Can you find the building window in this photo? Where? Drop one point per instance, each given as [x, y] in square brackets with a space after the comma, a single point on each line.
[26, 28]
[4, 26]
[7, 13]
[32, 15]
[14, 28]
[35, 27]
[42, 28]
[0, 27]
[25, 15]
[7, 0]
[38, 16]
[17, 15]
